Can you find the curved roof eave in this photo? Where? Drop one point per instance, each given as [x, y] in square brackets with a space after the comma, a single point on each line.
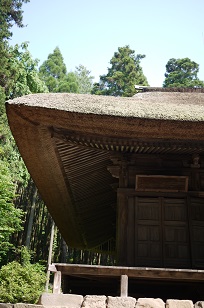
[146, 115]
[61, 171]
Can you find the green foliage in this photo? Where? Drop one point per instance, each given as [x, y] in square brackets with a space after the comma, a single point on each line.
[23, 78]
[19, 76]
[10, 13]
[124, 73]
[19, 72]
[85, 81]
[53, 70]
[54, 73]
[2, 101]
[6, 75]
[21, 282]
[26, 79]
[9, 154]
[182, 73]
[10, 217]
[69, 84]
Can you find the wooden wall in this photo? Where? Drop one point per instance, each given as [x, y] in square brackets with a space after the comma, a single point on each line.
[160, 228]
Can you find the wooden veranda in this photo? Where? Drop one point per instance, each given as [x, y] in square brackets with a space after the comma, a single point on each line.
[127, 281]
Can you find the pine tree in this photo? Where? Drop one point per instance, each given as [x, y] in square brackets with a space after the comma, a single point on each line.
[10, 13]
[85, 81]
[182, 73]
[53, 70]
[124, 73]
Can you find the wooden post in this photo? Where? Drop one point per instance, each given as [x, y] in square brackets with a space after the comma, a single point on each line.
[57, 282]
[50, 255]
[124, 286]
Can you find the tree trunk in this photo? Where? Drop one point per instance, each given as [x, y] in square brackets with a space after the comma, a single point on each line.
[31, 218]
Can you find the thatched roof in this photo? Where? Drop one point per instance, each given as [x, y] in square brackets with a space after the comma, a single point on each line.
[150, 105]
[66, 141]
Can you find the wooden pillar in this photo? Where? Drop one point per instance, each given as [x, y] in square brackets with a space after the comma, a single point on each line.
[57, 282]
[124, 286]
[50, 255]
[120, 170]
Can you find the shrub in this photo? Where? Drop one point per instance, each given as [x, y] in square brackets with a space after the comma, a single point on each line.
[21, 282]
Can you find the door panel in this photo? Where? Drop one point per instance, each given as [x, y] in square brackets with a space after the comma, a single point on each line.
[197, 231]
[161, 235]
[175, 233]
[148, 240]
[161, 232]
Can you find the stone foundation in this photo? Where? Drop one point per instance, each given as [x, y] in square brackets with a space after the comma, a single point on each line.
[92, 301]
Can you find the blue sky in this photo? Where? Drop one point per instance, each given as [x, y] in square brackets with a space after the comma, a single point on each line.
[88, 32]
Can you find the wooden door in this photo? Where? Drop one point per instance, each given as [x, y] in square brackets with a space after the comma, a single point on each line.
[148, 232]
[176, 238]
[157, 232]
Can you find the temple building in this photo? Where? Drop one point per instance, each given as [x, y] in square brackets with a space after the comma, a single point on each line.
[123, 175]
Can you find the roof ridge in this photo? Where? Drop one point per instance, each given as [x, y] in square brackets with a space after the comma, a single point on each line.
[174, 89]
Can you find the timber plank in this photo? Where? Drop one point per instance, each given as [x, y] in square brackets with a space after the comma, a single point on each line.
[131, 272]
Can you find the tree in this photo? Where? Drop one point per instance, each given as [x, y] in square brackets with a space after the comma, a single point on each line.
[53, 70]
[24, 71]
[5, 80]
[10, 217]
[69, 84]
[20, 74]
[10, 13]
[31, 218]
[54, 73]
[124, 73]
[23, 79]
[85, 81]
[182, 73]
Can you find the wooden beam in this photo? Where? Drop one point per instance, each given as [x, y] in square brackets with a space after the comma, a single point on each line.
[131, 272]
